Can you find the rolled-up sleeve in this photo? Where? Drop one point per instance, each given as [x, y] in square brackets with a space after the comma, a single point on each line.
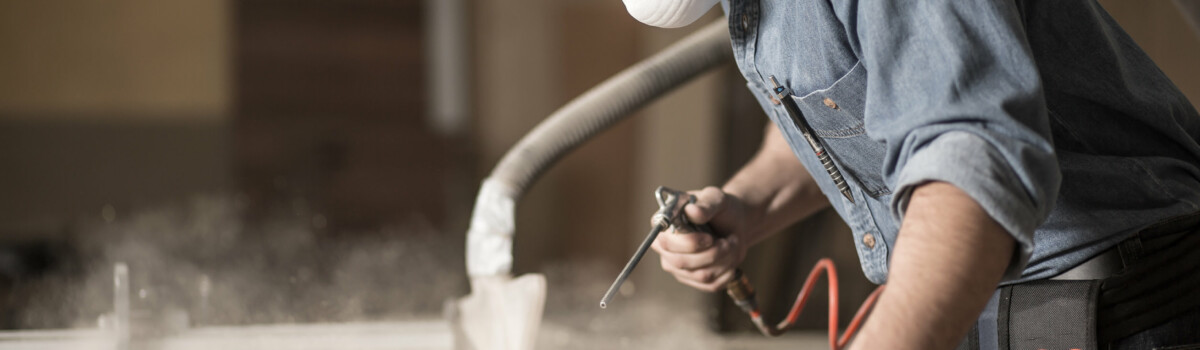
[954, 92]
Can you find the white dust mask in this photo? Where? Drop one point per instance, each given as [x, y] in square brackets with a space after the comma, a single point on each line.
[668, 13]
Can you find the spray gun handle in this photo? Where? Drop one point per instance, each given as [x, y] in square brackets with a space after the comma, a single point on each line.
[670, 213]
[739, 288]
[682, 224]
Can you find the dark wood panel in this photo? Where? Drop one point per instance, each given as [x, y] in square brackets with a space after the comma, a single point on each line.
[330, 109]
[312, 59]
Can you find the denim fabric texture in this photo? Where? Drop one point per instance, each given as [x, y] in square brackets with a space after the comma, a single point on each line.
[1045, 112]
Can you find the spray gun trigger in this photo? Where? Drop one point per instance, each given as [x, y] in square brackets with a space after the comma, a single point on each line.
[670, 211]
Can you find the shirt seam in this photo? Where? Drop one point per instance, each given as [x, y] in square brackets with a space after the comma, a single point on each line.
[1159, 185]
[835, 82]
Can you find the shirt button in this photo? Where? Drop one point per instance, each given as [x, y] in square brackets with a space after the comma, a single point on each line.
[745, 22]
[869, 241]
[774, 101]
[829, 103]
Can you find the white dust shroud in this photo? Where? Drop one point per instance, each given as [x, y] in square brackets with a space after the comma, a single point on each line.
[501, 312]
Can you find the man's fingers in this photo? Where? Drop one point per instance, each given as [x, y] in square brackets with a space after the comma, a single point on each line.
[690, 261]
[706, 275]
[709, 202]
[684, 243]
[700, 260]
[716, 285]
[708, 270]
[718, 253]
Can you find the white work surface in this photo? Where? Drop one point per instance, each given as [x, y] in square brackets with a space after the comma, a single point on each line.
[424, 334]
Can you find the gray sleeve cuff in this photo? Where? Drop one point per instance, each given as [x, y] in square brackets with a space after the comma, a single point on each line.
[974, 166]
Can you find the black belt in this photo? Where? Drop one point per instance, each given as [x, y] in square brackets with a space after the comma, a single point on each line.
[1143, 281]
[1101, 266]
[1113, 260]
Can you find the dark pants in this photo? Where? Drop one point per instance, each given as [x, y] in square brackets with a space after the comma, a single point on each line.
[1180, 333]
[1150, 299]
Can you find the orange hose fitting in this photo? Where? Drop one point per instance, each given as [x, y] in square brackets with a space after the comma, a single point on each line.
[742, 294]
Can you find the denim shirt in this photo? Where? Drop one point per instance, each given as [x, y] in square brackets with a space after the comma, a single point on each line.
[1045, 112]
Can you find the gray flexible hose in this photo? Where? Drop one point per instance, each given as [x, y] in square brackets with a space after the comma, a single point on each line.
[610, 102]
[493, 222]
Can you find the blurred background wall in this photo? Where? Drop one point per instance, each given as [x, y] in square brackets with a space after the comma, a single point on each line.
[119, 103]
[318, 111]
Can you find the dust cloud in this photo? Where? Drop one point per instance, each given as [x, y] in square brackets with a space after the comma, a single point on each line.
[201, 263]
[203, 260]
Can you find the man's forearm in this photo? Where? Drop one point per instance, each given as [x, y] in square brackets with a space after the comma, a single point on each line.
[775, 187]
[948, 259]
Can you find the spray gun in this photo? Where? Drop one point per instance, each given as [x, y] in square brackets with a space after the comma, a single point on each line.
[670, 213]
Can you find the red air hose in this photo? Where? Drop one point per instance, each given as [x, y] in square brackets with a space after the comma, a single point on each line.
[741, 292]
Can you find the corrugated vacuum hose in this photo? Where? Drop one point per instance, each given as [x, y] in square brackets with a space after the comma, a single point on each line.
[503, 312]
[610, 102]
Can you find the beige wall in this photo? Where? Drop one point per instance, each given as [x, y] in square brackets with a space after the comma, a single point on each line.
[117, 102]
[1162, 31]
[120, 59]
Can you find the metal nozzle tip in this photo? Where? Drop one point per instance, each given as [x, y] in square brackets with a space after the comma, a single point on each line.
[603, 305]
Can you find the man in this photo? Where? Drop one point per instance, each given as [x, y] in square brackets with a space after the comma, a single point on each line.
[982, 144]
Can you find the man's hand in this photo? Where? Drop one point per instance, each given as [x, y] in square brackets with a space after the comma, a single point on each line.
[703, 261]
[948, 259]
[771, 192]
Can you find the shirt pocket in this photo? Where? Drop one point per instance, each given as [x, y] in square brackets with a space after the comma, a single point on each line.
[836, 116]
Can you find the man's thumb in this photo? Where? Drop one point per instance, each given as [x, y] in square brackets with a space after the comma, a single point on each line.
[709, 202]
